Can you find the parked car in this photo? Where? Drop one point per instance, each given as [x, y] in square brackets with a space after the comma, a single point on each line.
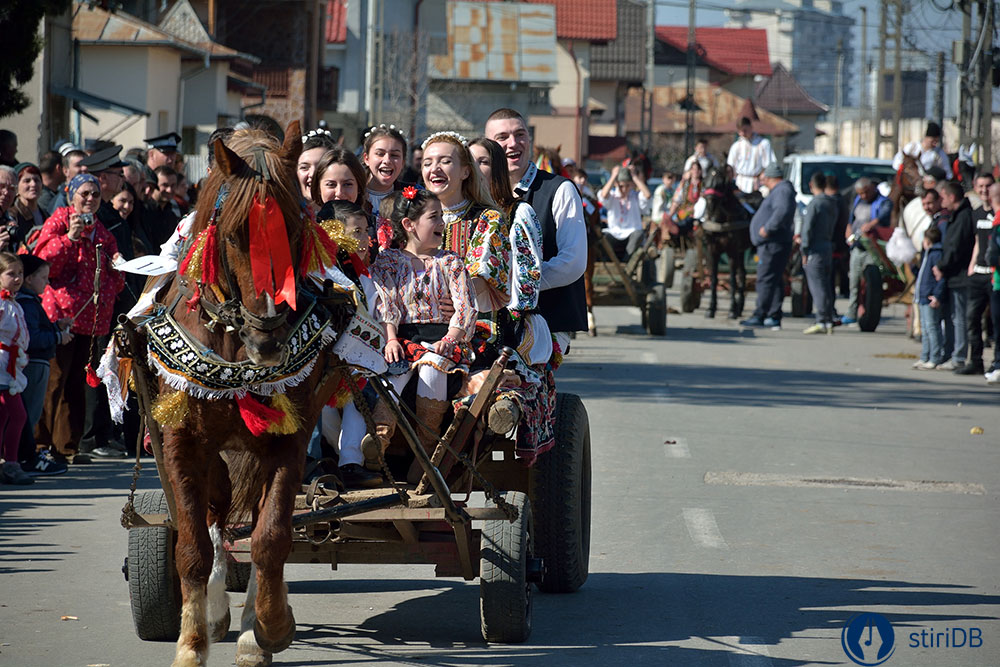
[847, 168]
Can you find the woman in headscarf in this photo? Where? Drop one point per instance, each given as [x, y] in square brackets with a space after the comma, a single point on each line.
[81, 295]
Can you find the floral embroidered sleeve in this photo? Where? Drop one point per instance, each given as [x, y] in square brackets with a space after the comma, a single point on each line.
[383, 272]
[526, 264]
[488, 257]
[463, 297]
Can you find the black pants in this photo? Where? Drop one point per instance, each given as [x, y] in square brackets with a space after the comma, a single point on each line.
[995, 316]
[979, 289]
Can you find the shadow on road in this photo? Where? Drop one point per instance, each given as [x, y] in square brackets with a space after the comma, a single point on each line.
[612, 615]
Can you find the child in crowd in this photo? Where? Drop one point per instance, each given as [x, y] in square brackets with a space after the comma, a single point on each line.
[43, 337]
[13, 359]
[930, 295]
[412, 278]
[384, 151]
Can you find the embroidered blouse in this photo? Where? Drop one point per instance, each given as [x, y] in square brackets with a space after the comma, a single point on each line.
[72, 267]
[406, 295]
[483, 240]
[526, 269]
[13, 344]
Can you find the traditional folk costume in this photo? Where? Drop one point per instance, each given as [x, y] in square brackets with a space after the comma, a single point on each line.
[748, 158]
[13, 359]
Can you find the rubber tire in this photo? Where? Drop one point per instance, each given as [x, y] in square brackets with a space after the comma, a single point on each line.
[504, 589]
[690, 296]
[647, 272]
[656, 311]
[237, 576]
[560, 497]
[670, 267]
[153, 585]
[870, 299]
[801, 298]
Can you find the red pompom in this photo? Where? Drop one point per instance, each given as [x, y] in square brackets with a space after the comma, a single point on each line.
[92, 378]
[256, 415]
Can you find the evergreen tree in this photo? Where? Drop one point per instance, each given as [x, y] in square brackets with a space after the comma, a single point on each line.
[19, 25]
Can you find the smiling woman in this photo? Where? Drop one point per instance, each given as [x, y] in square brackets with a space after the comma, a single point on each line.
[27, 213]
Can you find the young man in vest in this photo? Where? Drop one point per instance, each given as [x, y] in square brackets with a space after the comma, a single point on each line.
[564, 234]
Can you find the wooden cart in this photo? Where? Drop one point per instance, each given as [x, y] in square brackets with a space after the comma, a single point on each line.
[633, 282]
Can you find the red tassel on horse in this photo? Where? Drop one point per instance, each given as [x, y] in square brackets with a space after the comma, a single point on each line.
[92, 378]
[210, 257]
[256, 415]
[269, 251]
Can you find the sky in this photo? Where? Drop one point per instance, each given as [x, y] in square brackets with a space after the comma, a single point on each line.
[926, 27]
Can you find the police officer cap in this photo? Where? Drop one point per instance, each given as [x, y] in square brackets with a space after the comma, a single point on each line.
[66, 147]
[933, 130]
[165, 142]
[106, 158]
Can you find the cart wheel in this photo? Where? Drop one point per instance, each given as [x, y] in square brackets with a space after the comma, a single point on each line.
[560, 498]
[656, 311]
[669, 266]
[801, 298]
[237, 576]
[153, 585]
[647, 272]
[690, 294]
[504, 586]
[870, 298]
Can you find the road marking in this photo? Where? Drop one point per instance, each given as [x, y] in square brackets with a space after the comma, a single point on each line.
[731, 478]
[648, 357]
[755, 653]
[676, 448]
[703, 529]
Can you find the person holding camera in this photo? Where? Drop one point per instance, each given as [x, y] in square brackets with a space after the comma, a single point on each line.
[83, 285]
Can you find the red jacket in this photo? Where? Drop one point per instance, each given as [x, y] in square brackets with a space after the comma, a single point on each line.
[72, 265]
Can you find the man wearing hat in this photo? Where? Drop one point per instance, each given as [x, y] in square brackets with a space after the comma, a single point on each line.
[626, 198]
[927, 151]
[771, 231]
[160, 150]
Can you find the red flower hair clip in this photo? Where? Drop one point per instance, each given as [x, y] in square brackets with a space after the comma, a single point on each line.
[409, 192]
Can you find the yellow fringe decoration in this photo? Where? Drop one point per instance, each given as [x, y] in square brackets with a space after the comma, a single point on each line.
[291, 422]
[194, 266]
[170, 410]
[335, 229]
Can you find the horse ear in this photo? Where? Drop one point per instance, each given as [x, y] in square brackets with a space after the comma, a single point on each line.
[292, 148]
[559, 149]
[226, 160]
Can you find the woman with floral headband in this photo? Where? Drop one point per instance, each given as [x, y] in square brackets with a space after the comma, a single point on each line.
[383, 155]
[315, 144]
[474, 228]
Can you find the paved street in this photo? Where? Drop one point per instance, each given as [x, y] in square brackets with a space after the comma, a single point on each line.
[752, 491]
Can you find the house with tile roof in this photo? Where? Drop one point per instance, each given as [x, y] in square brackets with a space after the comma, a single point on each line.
[728, 57]
[616, 67]
[782, 95]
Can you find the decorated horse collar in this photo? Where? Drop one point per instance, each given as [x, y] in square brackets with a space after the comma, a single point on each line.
[188, 366]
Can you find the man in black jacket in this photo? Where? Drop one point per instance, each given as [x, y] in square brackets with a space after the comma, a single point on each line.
[957, 247]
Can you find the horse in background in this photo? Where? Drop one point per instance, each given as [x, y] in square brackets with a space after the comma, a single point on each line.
[548, 159]
[904, 186]
[223, 299]
[725, 228]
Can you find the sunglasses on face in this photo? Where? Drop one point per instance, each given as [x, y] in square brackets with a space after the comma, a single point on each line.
[89, 194]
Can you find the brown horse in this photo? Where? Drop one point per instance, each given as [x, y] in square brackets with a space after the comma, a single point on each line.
[904, 186]
[724, 208]
[235, 316]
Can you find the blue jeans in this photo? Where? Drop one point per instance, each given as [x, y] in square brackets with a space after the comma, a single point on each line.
[818, 270]
[930, 334]
[959, 302]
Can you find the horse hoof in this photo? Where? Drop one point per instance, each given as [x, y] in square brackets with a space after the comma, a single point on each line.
[280, 644]
[220, 628]
[249, 654]
[709, 314]
[592, 332]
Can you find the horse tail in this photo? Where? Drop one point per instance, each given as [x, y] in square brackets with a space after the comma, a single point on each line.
[248, 482]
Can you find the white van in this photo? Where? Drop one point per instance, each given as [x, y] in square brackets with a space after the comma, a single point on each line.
[847, 168]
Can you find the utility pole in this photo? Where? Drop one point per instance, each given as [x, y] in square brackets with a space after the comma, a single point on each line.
[863, 110]
[689, 101]
[893, 109]
[985, 129]
[838, 95]
[647, 126]
[939, 91]
[961, 58]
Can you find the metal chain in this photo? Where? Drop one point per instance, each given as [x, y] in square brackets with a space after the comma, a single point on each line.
[128, 510]
[362, 405]
[491, 491]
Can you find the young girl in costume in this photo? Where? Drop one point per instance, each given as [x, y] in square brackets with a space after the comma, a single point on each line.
[384, 152]
[315, 144]
[13, 359]
[412, 279]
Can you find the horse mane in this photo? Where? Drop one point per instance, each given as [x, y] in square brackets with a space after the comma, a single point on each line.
[243, 185]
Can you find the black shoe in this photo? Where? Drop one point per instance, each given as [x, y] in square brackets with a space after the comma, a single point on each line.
[105, 452]
[709, 314]
[969, 369]
[355, 476]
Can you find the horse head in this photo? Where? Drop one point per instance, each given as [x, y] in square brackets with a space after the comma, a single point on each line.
[720, 201]
[248, 240]
[548, 159]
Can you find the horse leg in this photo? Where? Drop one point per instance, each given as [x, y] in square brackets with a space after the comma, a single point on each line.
[714, 255]
[274, 628]
[193, 554]
[220, 496]
[588, 284]
[738, 281]
[248, 653]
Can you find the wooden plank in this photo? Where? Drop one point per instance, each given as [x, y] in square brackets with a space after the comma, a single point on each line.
[407, 531]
